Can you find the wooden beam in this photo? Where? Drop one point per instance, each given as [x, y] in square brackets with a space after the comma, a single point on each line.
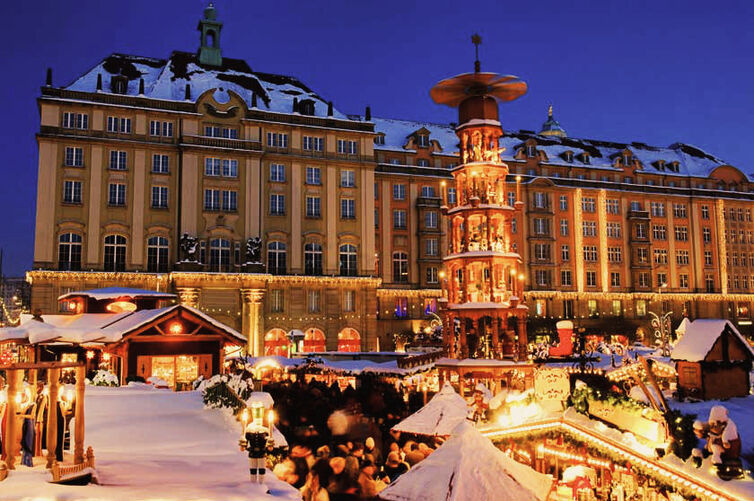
[12, 422]
[41, 365]
[53, 376]
[78, 450]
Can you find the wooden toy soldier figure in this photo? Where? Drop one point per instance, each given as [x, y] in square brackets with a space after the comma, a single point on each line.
[723, 443]
[255, 442]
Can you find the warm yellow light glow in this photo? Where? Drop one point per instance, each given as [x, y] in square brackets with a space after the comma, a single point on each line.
[18, 398]
[267, 363]
[518, 179]
[442, 274]
[442, 183]
[106, 357]
[245, 417]
[89, 354]
[521, 276]
[176, 328]
[121, 306]
[513, 272]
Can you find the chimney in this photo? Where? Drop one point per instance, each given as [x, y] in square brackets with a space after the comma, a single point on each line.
[368, 114]
[48, 81]
[295, 105]
[329, 108]
[141, 86]
[253, 99]
[187, 95]
[99, 82]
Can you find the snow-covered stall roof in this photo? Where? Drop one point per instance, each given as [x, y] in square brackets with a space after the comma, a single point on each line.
[439, 417]
[469, 467]
[118, 292]
[699, 338]
[91, 327]
[166, 79]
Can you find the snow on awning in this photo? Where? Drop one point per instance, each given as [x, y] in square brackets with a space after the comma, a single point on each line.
[439, 417]
[468, 467]
[118, 292]
[700, 336]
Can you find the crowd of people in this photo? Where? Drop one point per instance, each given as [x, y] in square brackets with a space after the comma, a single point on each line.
[342, 446]
[350, 470]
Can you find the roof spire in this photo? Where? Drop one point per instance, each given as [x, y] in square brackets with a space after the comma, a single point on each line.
[476, 40]
[549, 111]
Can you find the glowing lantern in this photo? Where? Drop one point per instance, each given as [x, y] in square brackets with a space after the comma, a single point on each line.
[121, 306]
[89, 354]
[106, 357]
[175, 328]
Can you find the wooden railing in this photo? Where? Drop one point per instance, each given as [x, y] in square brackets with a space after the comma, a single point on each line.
[61, 471]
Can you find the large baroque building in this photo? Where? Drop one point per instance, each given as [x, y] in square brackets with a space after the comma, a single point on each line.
[161, 173]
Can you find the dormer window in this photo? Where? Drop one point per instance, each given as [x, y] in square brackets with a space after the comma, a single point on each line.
[306, 107]
[119, 84]
[379, 139]
[627, 160]
[531, 151]
[422, 140]
[568, 156]
[585, 158]
[674, 166]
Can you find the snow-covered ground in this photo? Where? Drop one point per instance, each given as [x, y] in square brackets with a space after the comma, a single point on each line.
[154, 444]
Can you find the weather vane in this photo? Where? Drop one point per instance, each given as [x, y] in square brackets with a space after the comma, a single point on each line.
[476, 40]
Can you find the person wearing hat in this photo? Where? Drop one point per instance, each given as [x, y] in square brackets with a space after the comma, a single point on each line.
[368, 486]
[394, 467]
[371, 448]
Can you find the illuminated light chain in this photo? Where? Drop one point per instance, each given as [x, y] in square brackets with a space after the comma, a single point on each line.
[695, 485]
[542, 449]
[7, 314]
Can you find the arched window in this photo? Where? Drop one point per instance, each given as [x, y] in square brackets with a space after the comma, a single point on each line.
[314, 341]
[157, 254]
[276, 343]
[210, 41]
[276, 255]
[219, 254]
[400, 267]
[348, 260]
[69, 252]
[115, 253]
[313, 258]
[349, 340]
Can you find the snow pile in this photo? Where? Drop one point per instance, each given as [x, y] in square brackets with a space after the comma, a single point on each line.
[469, 467]
[439, 417]
[153, 444]
[104, 378]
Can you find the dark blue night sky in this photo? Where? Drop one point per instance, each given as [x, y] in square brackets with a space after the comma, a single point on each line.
[657, 71]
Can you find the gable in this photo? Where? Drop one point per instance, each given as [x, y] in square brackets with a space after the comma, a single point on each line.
[179, 322]
[728, 347]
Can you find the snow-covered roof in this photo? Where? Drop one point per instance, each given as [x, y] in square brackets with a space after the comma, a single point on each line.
[97, 327]
[469, 467]
[691, 160]
[118, 292]
[439, 417]
[397, 132]
[166, 79]
[699, 338]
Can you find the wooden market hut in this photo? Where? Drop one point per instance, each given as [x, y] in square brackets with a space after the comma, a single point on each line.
[133, 333]
[713, 360]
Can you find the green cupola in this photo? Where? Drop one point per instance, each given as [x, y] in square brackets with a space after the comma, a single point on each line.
[209, 49]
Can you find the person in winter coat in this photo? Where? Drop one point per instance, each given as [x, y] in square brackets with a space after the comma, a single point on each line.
[316, 482]
[394, 467]
[368, 486]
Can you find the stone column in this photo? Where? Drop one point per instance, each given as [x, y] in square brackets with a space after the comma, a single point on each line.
[188, 296]
[253, 320]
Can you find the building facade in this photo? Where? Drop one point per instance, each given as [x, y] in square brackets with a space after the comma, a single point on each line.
[162, 173]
